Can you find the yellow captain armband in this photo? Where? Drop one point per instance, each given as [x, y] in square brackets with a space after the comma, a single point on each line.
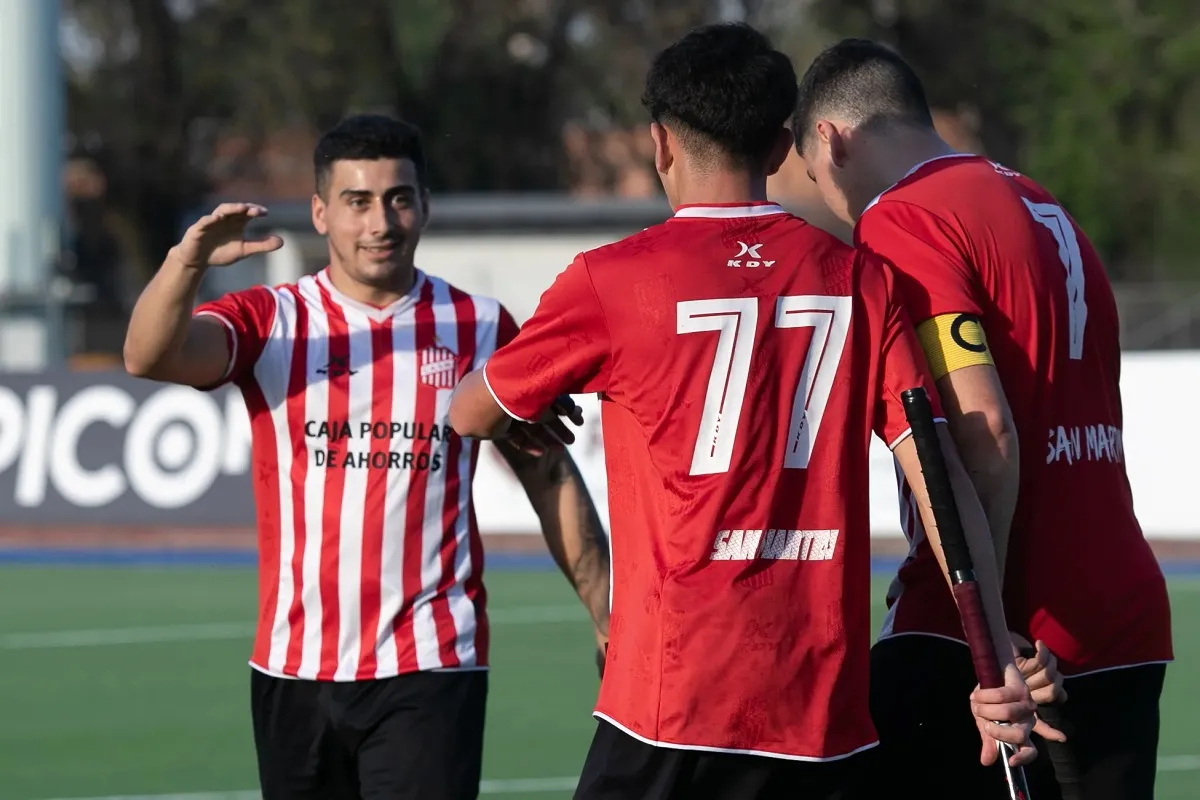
[953, 341]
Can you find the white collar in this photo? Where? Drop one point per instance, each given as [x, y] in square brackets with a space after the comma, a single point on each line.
[724, 211]
[909, 174]
[378, 314]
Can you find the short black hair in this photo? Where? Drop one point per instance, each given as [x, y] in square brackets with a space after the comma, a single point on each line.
[866, 83]
[368, 137]
[725, 89]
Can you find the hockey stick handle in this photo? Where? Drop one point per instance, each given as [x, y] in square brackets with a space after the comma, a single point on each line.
[946, 517]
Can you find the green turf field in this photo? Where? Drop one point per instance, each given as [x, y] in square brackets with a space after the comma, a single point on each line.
[133, 682]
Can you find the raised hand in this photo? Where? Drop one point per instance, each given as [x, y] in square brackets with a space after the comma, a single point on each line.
[219, 239]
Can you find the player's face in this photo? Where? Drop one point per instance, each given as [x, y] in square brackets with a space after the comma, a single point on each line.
[838, 160]
[372, 214]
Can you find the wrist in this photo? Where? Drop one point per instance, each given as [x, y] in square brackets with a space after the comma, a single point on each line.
[176, 261]
[502, 429]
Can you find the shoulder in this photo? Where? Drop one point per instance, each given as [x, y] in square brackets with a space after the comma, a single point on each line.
[483, 308]
[653, 239]
[902, 222]
[482, 311]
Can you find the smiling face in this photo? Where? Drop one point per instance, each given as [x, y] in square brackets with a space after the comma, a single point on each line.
[372, 212]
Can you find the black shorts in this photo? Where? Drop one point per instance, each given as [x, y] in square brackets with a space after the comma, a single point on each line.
[620, 767]
[919, 691]
[415, 736]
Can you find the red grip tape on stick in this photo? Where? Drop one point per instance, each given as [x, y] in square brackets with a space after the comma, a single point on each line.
[979, 638]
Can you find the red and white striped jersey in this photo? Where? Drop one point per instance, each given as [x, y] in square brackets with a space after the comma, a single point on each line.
[370, 561]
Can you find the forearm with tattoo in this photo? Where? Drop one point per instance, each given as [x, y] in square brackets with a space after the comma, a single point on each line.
[570, 523]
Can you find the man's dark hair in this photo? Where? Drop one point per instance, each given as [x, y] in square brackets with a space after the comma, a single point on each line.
[863, 82]
[725, 91]
[368, 137]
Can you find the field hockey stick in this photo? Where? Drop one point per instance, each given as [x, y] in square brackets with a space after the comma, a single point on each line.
[958, 562]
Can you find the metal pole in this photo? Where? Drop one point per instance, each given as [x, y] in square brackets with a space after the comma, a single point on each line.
[32, 101]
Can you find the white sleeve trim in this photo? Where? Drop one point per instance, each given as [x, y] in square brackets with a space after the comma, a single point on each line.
[233, 337]
[908, 432]
[500, 402]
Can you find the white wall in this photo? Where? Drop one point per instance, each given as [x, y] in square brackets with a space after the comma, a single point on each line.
[514, 269]
[1160, 392]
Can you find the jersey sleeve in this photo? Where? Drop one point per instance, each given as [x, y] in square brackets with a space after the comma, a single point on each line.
[247, 317]
[564, 348]
[904, 368]
[933, 271]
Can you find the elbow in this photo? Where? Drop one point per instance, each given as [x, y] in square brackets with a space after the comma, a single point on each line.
[465, 423]
[991, 449]
[1008, 448]
[459, 419]
[473, 413]
[1001, 435]
[136, 364]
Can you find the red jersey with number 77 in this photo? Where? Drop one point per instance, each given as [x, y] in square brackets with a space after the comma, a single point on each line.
[975, 243]
[744, 359]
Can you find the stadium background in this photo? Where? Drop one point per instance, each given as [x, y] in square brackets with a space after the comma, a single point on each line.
[126, 541]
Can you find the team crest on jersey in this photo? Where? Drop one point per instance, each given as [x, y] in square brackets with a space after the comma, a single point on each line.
[439, 367]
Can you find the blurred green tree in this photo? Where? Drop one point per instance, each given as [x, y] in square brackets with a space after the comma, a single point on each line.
[1097, 99]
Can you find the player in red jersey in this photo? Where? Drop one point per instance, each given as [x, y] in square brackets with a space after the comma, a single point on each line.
[743, 358]
[1018, 321]
[369, 666]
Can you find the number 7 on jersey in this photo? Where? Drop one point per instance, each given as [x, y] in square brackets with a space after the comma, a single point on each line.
[735, 319]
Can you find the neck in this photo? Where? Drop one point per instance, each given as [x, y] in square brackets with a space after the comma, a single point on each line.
[721, 188]
[905, 149]
[381, 295]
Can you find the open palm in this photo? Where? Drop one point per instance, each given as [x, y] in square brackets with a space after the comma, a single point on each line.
[219, 238]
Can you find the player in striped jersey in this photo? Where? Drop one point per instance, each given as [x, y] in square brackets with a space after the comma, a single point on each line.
[369, 665]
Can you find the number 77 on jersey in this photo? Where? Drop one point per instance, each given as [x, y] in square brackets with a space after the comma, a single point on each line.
[735, 319]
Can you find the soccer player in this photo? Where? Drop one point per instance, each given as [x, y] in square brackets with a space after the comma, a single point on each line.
[1018, 321]
[743, 359]
[369, 666]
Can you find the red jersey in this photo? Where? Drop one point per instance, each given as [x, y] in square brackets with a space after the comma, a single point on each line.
[969, 236]
[370, 562]
[743, 360]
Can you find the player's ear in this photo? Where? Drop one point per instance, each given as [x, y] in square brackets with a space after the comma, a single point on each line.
[663, 157]
[318, 214]
[830, 137]
[779, 151]
[424, 207]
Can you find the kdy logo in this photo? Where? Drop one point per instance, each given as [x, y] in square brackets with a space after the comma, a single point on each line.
[754, 259]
